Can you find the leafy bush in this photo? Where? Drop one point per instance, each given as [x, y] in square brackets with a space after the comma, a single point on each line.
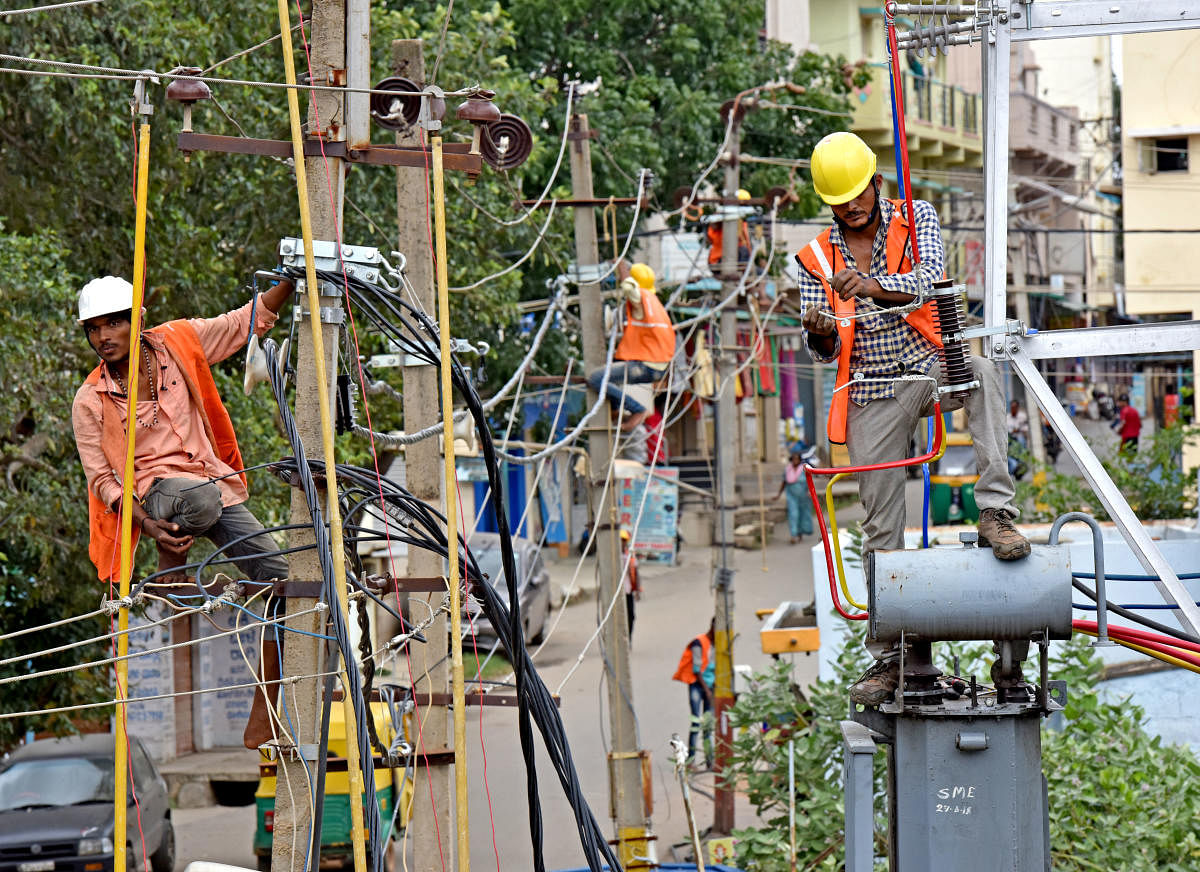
[1153, 480]
[1119, 798]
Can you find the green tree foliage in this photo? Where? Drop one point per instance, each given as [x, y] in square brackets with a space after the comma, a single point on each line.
[45, 573]
[1152, 479]
[1119, 798]
[663, 71]
[67, 203]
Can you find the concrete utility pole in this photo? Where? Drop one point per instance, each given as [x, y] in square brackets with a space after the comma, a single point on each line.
[423, 467]
[627, 803]
[725, 428]
[303, 655]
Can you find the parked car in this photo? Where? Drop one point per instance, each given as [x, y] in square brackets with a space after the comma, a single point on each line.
[533, 587]
[56, 808]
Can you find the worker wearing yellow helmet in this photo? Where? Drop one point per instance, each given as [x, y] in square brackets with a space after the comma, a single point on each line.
[646, 348]
[850, 276]
[715, 233]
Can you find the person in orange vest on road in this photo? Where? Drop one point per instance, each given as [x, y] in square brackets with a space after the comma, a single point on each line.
[863, 265]
[646, 347]
[697, 669]
[188, 478]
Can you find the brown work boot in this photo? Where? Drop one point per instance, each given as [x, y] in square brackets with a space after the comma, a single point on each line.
[878, 684]
[996, 529]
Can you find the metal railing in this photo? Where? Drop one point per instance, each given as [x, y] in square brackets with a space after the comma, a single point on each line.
[940, 103]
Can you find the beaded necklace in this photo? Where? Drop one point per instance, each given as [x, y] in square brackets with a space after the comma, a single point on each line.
[153, 386]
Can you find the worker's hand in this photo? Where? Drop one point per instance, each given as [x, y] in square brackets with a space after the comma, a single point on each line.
[817, 322]
[163, 532]
[851, 283]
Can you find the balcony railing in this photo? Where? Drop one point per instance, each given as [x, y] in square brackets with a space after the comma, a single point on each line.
[940, 103]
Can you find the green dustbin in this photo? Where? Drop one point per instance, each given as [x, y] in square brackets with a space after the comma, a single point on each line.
[952, 499]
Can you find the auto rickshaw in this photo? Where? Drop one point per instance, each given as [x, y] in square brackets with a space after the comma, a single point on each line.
[391, 786]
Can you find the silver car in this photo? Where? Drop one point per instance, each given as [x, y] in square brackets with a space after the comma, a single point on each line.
[533, 588]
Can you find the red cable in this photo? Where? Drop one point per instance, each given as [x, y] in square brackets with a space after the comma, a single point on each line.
[374, 454]
[898, 88]
[837, 603]
[1142, 637]
[810, 472]
[478, 683]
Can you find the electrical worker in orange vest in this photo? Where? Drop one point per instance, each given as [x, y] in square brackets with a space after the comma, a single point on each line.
[646, 347]
[188, 478]
[697, 669]
[716, 230]
[860, 267]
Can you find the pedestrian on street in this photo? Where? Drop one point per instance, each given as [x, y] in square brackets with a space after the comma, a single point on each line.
[187, 475]
[633, 587]
[1128, 425]
[697, 669]
[850, 275]
[793, 484]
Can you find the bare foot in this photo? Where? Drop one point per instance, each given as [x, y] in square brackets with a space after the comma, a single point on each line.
[169, 559]
[258, 728]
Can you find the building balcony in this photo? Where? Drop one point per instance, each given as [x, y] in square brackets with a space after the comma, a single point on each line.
[943, 122]
[1043, 133]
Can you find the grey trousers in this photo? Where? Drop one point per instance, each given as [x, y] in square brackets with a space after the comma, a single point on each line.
[880, 431]
[196, 507]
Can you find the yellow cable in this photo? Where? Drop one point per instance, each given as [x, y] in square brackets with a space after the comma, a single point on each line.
[833, 528]
[1149, 652]
[456, 661]
[353, 770]
[121, 759]
[837, 545]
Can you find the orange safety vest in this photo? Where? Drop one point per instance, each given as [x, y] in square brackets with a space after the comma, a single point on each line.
[182, 343]
[715, 232]
[652, 338]
[822, 259]
[684, 671]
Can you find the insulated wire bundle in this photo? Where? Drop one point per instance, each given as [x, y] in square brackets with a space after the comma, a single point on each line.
[416, 334]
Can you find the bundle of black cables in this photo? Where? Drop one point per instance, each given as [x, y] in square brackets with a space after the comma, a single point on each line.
[337, 619]
[414, 332]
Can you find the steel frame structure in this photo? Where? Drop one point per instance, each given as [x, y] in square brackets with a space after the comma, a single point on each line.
[1019, 21]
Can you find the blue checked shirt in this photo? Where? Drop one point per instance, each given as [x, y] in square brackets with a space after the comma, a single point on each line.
[885, 346]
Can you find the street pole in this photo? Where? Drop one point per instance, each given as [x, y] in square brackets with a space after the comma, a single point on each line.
[726, 438]
[626, 800]
[432, 822]
[302, 656]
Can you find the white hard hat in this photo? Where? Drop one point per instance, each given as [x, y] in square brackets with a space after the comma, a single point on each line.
[103, 296]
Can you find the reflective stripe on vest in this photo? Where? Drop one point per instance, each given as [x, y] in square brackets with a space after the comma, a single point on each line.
[651, 338]
[182, 343]
[821, 258]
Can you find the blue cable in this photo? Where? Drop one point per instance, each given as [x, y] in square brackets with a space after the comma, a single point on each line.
[892, 83]
[1091, 607]
[254, 615]
[925, 476]
[1108, 576]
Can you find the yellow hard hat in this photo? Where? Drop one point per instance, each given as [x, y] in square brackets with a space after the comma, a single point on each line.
[842, 167]
[625, 535]
[643, 275]
[743, 194]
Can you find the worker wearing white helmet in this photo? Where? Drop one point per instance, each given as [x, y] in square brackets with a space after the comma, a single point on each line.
[187, 476]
